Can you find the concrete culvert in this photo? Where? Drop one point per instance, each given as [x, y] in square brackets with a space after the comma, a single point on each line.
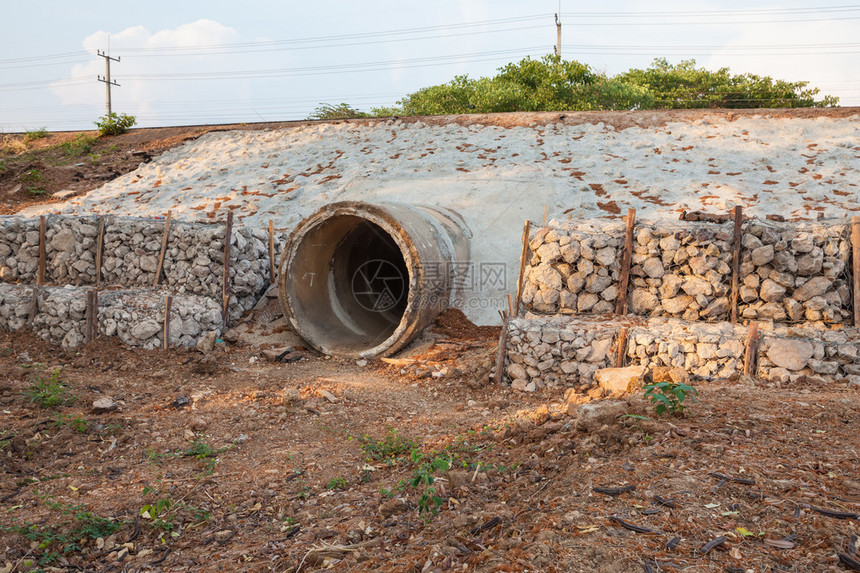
[362, 280]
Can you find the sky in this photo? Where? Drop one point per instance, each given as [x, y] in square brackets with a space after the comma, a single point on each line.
[188, 62]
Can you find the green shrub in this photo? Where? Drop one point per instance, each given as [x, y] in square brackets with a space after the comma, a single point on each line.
[340, 111]
[115, 124]
[669, 396]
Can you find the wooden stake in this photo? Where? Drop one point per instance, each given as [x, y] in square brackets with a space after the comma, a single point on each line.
[500, 355]
[95, 313]
[91, 323]
[855, 247]
[35, 308]
[752, 349]
[271, 252]
[621, 351]
[544, 215]
[736, 261]
[43, 227]
[163, 248]
[168, 302]
[526, 230]
[624, 279]
[99, 249]
[510, 305]
[225, 285]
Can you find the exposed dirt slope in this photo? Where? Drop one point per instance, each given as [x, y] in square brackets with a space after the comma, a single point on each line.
[33, 170]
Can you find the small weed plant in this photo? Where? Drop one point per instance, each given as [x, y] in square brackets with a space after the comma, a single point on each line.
[48, 391]
[337, 483]
[670, 396]
[202, 451]
[77, 423]
[34, 134]
[115, 124]
[428, 501]
[80, 145]
[162, 511]
[51, 541]
[391, 448]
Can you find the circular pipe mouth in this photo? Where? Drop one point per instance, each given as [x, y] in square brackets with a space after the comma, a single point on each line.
[362, 280]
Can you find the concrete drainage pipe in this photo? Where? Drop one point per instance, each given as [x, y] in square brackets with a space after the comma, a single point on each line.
[362, 280]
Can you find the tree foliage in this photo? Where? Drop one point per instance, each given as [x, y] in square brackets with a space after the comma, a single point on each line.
[554, 84]
[685, 86]
[340, 111]
[549, 84]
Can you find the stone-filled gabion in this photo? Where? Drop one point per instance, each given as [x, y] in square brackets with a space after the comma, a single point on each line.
[70, 250]
[558, 351]
[131, 249]
[574, 267]
[705, 350]
[193, 262]
[793, 273]
[60, 315]
[831, 354]
[137, 318]
[16, 306]
[19, 249]
[681, 271]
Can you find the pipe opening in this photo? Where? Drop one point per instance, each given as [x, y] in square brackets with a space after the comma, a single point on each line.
[362, 280]
[358, 284]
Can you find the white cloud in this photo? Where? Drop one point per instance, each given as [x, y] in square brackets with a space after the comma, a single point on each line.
[156, 100]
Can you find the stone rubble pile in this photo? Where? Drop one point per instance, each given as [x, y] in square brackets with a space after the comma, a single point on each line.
[681, 271]
[19, 250]
[137, 318]
[786, 354]
[193, 261]
[574, 267]
[566, 351]
[70, 250]
[790, 273]
[60, 315]
[16, 306]
[796, 274]
[702, 349]
[559, 351]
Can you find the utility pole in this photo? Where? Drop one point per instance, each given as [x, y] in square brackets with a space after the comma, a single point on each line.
[106, 80]
[558, 31]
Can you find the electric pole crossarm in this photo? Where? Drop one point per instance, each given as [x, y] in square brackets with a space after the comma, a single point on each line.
[106, 80]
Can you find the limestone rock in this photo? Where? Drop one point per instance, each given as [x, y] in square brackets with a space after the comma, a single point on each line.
[669, 374]
[816, 286]
[594, 415]
[678, 304]
[762, 255]
[772, 291]
[620, 381]
[791, 354]
[145, 329]
[104, 404]
[653, 268]
[642, 301]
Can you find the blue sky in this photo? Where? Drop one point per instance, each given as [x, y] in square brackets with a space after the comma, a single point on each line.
[189, 62]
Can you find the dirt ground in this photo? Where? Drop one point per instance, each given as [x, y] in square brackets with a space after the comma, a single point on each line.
[230, 462]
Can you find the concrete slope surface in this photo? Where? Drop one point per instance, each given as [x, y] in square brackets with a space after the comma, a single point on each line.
[497, 176]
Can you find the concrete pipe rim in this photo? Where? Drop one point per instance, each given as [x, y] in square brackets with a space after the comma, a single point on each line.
[342, 221]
